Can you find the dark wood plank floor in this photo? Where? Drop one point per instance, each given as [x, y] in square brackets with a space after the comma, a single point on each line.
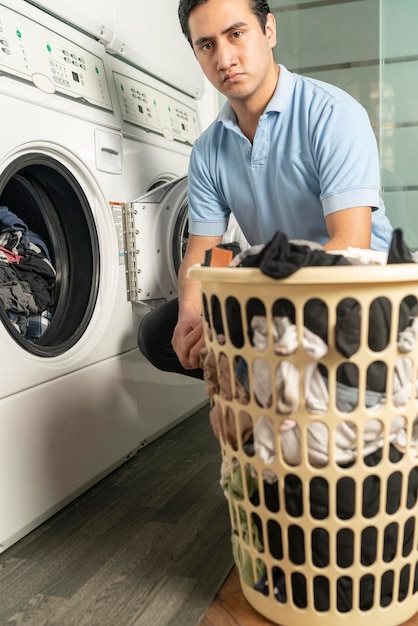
[147, 546]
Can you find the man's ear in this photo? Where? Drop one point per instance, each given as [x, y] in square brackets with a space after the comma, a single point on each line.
[271, 33]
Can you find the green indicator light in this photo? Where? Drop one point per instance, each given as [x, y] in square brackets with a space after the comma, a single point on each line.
[155, 103]
[122, 88]
[48, 47]
[97, 70]
[19, 34]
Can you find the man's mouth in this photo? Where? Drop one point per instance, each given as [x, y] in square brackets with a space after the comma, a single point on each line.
[230, 78]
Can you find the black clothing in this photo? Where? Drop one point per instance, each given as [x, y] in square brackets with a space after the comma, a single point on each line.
[154, 339]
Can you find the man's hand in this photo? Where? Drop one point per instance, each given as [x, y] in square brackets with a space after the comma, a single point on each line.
[188, 337]
[188, 340]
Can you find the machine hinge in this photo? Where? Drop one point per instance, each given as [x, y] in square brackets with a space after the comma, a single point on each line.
[131, 253]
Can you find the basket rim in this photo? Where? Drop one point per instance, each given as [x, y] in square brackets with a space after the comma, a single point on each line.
[336, 274]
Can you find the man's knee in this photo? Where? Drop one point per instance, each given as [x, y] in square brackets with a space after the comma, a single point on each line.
[143, 338]
[149, 336]
[156, 330]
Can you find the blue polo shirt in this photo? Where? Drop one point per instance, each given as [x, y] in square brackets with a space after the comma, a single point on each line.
[314, 153]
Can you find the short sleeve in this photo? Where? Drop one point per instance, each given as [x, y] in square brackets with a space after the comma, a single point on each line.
[346, 155]
[208, 213]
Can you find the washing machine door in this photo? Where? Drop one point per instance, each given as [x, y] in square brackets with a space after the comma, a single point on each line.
[156, 239]
[49, 255]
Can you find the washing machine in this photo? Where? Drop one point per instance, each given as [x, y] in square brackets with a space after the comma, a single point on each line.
[76, 397]
[159, 125]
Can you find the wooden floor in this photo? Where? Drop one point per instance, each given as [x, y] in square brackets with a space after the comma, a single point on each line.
[147, 546]
[230, 608]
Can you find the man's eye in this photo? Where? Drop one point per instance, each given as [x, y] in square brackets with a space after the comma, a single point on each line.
[206, 46]
[237, 34]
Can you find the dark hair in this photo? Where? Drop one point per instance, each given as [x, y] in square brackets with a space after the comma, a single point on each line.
[260, 8]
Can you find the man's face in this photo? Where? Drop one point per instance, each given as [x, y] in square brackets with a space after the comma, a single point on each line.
[234, 53]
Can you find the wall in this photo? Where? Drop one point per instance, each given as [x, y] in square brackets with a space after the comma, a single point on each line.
[152, 29]
[370, 49]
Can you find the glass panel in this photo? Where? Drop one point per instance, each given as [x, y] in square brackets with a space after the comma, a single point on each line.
[399, 152]
[401, 209]
[399, 110]
[399, 28]
[400, 107]
[370, 49]
[327, 33]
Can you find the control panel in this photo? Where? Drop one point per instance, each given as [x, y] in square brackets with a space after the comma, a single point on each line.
[31, 52]
[154, 110]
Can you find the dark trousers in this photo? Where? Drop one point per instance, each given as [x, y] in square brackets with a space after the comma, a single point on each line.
[154, 339]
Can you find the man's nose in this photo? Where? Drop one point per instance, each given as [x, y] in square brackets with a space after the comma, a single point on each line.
[226, 56]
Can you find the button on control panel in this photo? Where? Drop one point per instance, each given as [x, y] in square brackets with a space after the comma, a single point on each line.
[154, 110]
[31, 52]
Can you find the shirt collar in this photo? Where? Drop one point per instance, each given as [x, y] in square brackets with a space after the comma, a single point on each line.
[278, 102]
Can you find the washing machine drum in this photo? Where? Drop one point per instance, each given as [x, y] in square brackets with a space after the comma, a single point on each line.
[49, 256]
[157, 235]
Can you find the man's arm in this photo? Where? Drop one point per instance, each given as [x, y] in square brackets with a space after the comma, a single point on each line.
[349, 227]
[188, 333]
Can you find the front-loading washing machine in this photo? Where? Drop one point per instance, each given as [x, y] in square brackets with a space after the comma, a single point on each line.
[76, 399]
[159, 125]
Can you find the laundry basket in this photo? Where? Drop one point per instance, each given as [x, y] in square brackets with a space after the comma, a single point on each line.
[313, 392]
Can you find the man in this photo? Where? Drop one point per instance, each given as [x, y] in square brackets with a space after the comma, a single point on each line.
[286, 153]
